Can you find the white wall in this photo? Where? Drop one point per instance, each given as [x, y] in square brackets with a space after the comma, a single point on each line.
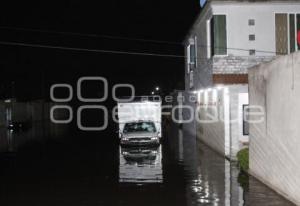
[238, 30]
[222, 132]
[274, 142]
[212, 130]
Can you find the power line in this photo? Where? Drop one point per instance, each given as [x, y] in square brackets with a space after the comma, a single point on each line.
[240, 49]
[6, 43]
[91, 35]
[122, 38]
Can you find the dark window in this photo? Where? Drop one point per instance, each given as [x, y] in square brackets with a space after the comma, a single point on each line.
[218, 35]
[245, 119]
[192, 54]
[252, 52]
[191, 57]
[292, 32]
[298, 30]
[139, 127]
[251, 22]
[252, 37]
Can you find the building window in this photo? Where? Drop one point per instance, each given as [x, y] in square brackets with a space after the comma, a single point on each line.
[218, 35]
[292, 33]
[245, 119]
[287, 33]
[298, 31]
[281, 33]
[252, 52]
[251, 22]
[208, 39]
[252, 37]
[192, 55]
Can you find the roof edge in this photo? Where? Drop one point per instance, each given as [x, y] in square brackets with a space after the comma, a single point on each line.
[196, 20]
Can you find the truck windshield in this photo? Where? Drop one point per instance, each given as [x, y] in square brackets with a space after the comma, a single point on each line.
[139, 127]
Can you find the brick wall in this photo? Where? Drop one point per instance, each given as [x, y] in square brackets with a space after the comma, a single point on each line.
[230, 78]
[237, 64]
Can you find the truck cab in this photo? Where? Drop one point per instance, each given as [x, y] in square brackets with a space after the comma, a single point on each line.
[140, 133]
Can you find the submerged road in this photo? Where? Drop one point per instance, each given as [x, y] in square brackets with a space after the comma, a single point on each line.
[91, 169]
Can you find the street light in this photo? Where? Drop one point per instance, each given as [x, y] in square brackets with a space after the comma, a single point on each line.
[152, 93]
[157, 88]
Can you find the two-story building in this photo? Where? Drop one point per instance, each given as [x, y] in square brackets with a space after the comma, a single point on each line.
[230, 36]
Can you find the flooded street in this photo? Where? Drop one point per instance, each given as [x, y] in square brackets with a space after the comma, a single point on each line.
[150, 103]
[89, 169]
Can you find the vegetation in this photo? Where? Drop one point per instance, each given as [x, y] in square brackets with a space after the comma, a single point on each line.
[243, 179]
[243, 159]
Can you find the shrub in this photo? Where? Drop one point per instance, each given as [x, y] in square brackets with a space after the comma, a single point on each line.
[243, 159]
[243, 179]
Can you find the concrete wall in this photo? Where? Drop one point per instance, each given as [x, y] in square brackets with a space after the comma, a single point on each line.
[274, 142]
[220, 112]
[36, 117]
[24, 111]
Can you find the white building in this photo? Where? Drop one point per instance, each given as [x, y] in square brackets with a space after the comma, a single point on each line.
[230, 36]
[227, 38]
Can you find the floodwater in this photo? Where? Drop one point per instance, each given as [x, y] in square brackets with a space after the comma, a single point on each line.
[91, 169]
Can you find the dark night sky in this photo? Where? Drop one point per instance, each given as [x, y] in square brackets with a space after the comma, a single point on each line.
[30, 68]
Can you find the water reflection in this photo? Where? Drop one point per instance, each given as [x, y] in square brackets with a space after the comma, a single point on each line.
[91, 169]
[140, 165]
[12, 139]
[212, 180]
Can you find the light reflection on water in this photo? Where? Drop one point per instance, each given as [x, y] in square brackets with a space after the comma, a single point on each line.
[212, 180]
[140, 165]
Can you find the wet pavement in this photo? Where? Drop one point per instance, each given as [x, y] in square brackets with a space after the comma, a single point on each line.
[91, 169]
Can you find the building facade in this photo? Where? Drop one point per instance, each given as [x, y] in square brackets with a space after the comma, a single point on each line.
[230, 36]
